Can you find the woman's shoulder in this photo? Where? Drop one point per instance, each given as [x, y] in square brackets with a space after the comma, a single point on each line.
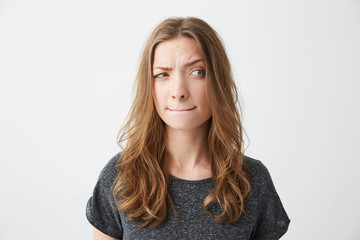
[100, 209]
[110, 170]
[259, 174]
[272, 220]
[255, 166]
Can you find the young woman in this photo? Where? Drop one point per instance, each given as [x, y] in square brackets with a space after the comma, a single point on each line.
[182, 173]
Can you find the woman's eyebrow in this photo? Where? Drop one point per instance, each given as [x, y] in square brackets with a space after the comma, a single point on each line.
[186, 65]
[193, 62]
[163, 68]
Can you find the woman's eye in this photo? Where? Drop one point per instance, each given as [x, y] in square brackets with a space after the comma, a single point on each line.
[198, 73]
[161, 75]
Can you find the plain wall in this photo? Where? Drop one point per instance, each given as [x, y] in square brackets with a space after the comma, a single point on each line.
[66, 74]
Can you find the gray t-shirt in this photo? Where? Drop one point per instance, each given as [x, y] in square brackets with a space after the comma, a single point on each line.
[265, 217]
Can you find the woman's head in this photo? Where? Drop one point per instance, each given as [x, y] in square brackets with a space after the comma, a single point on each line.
[179, 85]
[220, 88]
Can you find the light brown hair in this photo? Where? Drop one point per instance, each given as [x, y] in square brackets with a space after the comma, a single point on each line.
[141, 187]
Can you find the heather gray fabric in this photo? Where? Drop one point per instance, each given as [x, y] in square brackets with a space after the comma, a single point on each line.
[265, 216]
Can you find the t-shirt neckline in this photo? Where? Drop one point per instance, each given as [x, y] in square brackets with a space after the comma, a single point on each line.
[200, 181]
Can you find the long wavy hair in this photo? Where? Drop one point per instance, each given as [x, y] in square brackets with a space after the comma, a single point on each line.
[141, 187]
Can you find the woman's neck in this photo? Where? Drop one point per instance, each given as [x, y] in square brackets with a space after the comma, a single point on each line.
[187, 153]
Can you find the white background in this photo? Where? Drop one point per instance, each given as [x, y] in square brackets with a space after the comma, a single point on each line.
[67, 68]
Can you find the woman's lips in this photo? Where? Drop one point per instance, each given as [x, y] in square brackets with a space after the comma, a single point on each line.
[181, 109]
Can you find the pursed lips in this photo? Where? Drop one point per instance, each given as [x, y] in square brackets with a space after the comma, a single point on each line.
[181, 109]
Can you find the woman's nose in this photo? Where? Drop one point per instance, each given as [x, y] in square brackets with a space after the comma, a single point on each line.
[180, 91]
[179, 94]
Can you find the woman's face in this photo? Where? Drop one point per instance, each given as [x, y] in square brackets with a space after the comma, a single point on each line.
[179, 89]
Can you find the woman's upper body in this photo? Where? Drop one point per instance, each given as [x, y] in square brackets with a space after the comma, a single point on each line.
[264, 216]
[182, 173]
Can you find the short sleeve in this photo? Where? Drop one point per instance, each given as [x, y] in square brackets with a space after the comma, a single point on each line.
[272, 221]
[101, 210]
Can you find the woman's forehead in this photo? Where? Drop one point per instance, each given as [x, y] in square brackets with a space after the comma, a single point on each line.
[180, 50]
